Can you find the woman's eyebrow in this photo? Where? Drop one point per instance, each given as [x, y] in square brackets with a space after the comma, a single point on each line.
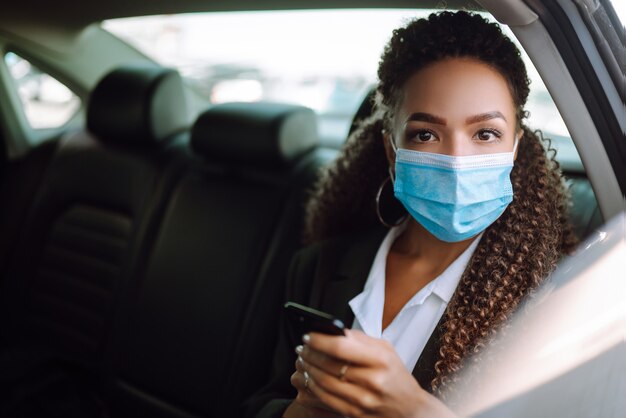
[427, 117]
[485, 116]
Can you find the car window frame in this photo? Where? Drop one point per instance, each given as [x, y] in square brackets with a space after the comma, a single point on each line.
[559, 18]
[24, 136]
[10, 49]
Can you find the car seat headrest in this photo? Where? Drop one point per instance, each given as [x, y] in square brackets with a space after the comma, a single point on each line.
[258, 134]
[365, 110]
[138, 104]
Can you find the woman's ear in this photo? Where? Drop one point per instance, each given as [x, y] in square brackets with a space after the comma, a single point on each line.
[389, 151]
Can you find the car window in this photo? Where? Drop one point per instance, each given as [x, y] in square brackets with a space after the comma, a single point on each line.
[47, 103]
[323, 59]
[603, 22]
[620, 10]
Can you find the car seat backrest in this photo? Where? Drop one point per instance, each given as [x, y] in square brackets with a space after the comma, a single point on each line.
[86, 228]
[585, 213]
[208, 303]
[20, 181]
[365, 110]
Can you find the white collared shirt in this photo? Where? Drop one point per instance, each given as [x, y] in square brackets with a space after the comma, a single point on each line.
[411, 328]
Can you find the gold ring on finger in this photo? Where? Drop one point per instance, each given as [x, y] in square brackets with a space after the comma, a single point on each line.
[343, 371]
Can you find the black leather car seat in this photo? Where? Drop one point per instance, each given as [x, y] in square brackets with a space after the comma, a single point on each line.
[91, 218]
[203, 321]
[19, 182]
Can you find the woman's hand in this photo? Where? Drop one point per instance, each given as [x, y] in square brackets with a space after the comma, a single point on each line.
[306, 403]
[361, 376]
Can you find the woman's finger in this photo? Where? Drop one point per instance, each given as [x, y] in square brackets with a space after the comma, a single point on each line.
[298, 381]
[305, 396]
[345, 406]
[361, 376]
[355, 348]
[342, 395]
[325, 362]
[299, 362]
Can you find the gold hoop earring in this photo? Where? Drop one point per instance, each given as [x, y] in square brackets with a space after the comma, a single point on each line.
[380, 217]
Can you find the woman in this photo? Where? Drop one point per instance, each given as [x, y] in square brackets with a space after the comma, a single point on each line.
[484, 224]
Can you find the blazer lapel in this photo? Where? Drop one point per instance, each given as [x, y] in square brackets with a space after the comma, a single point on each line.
[341, 276]
[424, 370]
[347, 278]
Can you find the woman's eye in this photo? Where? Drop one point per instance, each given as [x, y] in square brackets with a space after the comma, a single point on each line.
[488, 135]
[423, 136]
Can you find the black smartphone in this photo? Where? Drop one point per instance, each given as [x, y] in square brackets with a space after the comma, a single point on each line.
[304, 320]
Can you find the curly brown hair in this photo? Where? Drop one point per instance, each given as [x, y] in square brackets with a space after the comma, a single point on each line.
[518, 250]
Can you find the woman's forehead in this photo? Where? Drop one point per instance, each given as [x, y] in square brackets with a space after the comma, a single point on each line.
[457, 88]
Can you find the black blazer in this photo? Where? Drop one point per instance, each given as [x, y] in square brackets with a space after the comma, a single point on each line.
[326, 276]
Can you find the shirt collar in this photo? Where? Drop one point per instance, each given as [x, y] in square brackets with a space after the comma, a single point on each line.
[377, 273]
[367, 306]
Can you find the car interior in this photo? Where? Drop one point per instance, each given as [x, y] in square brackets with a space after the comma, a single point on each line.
[123, 268]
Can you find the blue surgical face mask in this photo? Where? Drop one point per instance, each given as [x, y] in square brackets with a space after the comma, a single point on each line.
[454, 198]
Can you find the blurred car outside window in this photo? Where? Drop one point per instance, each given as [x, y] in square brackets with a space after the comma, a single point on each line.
[322, 59]
[47, 103]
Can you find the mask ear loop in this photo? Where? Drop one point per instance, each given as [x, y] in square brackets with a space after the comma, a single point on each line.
[393, 144]
[395, 151]
[391, 178]
[516, 143]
